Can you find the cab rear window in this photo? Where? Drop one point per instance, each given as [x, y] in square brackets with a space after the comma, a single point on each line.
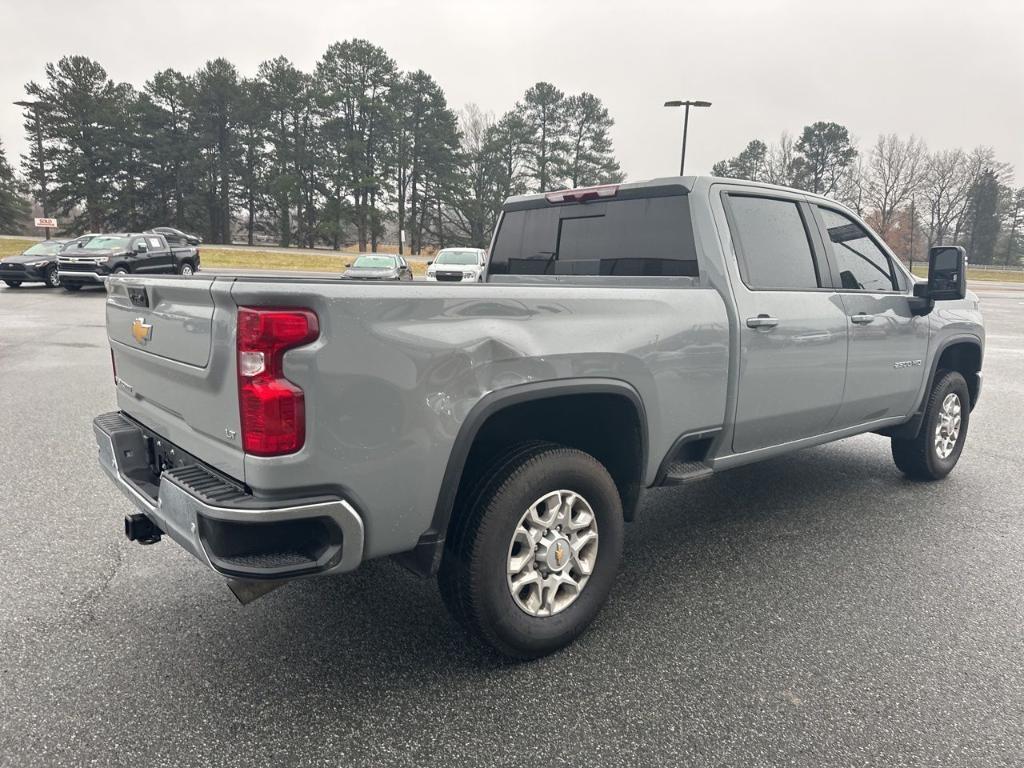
[633, 237]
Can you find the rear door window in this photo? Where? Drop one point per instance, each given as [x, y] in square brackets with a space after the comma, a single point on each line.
[772, 243]
[632, 237]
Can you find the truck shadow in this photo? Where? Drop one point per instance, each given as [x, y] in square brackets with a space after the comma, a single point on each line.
[751, 529]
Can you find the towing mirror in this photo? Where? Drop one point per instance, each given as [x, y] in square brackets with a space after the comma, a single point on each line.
[947, 273]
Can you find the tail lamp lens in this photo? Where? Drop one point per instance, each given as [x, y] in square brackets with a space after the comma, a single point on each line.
[272, 409]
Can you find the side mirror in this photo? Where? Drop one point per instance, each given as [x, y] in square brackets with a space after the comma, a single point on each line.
[430, 262]
[947, 273]
[348, 265]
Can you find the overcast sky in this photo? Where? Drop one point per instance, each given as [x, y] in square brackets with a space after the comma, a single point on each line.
[950, 72]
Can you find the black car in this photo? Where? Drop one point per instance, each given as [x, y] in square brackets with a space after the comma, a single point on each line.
[378, 266]
[176, 236]
[36, 265]
[122, 254]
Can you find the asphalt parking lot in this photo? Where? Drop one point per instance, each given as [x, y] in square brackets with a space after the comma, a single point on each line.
[813, 610]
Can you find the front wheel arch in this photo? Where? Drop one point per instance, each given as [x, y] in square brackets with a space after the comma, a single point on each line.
[962, 354]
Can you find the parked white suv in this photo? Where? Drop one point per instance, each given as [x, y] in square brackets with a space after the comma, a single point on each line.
[457, 265]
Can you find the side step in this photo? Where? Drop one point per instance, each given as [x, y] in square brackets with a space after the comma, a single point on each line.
[681, 472]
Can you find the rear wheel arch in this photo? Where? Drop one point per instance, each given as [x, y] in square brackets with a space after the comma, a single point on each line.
[548, 412]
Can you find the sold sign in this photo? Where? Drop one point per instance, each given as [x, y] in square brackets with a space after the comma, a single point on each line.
[46, 223]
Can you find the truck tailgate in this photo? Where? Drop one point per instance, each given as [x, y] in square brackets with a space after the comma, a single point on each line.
[172, 341]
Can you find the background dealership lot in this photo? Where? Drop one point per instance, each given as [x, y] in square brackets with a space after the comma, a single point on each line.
[817, 608]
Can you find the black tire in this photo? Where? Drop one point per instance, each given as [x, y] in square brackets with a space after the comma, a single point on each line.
[472, 577]
[72, 286]
[181, 268]
[918, 457]
[52, 278]
[13, 283]
[121, 271]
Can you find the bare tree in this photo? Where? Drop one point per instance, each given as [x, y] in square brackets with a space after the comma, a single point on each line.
[895, 173]
[779, 163]
[852, 188]
[471, 211]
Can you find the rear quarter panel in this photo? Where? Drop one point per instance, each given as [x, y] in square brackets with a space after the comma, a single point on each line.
[398, 367]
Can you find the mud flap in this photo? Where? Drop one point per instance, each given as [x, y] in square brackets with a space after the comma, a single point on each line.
[247, 590]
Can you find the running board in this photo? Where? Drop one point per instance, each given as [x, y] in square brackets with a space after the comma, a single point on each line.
[681, 472]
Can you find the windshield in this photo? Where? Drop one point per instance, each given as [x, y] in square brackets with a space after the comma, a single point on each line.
[374, 261]
[106, 243]
[44, 249]
[458, 257]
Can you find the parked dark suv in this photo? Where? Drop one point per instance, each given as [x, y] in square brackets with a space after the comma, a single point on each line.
[120, 254]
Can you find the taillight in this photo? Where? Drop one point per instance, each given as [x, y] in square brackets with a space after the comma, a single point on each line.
[272, 409]
[582, 194]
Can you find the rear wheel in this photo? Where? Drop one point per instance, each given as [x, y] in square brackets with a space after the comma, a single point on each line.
[52, 278]
[531, 559]
[936, 449]
[13, 283]
[120, 271]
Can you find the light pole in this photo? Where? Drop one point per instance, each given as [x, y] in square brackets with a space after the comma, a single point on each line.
[36, 106]
[686, 123]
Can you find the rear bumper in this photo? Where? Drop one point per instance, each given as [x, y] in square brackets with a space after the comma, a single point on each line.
[219, 523]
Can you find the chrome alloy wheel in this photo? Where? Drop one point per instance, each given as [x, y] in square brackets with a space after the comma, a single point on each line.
[552, 553]
[186, 270]
[947, 431]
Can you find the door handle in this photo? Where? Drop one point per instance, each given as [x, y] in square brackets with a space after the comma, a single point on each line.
[862, 318]
[762, 321]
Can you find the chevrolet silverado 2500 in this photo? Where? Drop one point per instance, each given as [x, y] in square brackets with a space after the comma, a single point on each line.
[499, 434]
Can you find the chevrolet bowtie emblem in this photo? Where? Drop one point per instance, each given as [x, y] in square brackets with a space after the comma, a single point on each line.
[559, 554]
[141, 331]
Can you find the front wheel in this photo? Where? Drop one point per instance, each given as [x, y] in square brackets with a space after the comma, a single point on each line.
[936, 449]
[532, 557]
[120, 271]
[52, 278]
[13, 283]
[185, 269]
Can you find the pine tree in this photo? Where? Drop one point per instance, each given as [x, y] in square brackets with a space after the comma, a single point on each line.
[824, 152]
[542, 112]
[590, 159]
[750, 164]
[80, 129]
[214, 105]
[13, 207]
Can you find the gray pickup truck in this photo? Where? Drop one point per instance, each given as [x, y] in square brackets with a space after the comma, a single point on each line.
[499, 434]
